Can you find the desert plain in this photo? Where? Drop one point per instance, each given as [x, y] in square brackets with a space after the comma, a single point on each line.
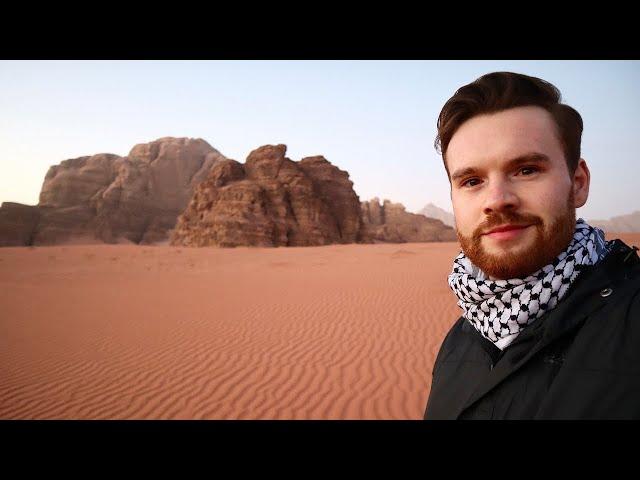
[161, 332]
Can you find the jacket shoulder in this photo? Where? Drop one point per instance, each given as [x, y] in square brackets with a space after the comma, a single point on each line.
[457, 337]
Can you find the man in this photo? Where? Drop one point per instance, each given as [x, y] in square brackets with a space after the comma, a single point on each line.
[551, 311]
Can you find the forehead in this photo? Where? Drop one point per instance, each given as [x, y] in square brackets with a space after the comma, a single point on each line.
[498, 137]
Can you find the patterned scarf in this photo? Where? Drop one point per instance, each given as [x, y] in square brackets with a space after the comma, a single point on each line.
[500, 309]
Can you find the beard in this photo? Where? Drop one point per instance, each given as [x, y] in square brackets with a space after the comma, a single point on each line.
[521, 261]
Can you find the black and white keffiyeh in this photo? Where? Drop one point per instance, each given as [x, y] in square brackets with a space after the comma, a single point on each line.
[500, 309]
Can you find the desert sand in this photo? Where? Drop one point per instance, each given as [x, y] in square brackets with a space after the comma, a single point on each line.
[159, 332]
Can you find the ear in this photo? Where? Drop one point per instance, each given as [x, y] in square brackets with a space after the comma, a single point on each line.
[581, 180]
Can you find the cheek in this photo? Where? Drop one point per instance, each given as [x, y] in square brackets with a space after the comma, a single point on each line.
[465, 220]
[546, 203]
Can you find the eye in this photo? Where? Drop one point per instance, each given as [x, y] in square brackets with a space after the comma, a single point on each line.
[467, 181]
[535, 169]
[531, 168]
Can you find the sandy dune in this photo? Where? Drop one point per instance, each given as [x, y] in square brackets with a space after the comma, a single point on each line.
[133, 332]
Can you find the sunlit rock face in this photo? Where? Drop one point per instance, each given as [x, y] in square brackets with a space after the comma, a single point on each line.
[271, 201]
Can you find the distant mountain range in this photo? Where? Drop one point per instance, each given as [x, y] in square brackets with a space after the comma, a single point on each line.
[623, 224]
[432, 211]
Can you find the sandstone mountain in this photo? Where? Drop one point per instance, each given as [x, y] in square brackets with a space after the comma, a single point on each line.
[271, 201]
[108, 198]
[390, 222]
[622, 224]
[432, 211]
[183, 191]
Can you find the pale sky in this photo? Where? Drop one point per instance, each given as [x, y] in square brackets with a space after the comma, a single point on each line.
[374, 119]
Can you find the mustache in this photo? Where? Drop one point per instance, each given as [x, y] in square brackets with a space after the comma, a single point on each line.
[506, 218]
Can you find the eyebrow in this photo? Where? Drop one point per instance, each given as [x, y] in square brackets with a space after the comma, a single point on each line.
[514, 162]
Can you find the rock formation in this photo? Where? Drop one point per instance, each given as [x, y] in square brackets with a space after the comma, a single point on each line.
[107, 198]
[622, 224]
[184, 191]
[271, 201]
[17, 224]
[390, 222]
[432, 211]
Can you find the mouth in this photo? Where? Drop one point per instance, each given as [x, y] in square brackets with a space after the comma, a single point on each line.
[506, 232]
[506, 228]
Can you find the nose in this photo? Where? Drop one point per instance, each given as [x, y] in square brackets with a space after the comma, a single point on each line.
[500, 196]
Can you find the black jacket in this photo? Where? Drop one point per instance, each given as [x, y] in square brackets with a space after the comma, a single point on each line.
[580, 360]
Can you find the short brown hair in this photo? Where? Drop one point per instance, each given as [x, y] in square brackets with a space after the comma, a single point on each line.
[498, 91]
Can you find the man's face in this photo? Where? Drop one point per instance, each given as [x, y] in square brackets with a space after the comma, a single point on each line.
[519, 177]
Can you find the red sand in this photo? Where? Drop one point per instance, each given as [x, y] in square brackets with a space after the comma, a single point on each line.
[135, 332]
